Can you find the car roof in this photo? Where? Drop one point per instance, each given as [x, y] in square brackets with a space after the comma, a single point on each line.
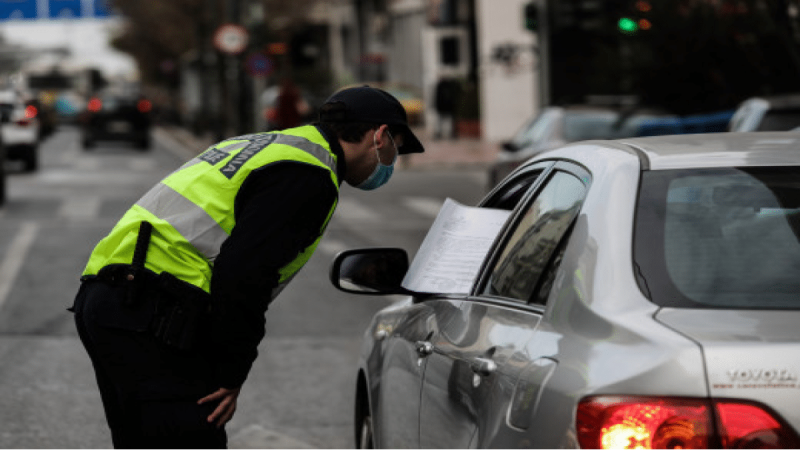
[709, 150]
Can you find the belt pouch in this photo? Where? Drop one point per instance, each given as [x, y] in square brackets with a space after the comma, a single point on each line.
[108, 306]
[181, 314]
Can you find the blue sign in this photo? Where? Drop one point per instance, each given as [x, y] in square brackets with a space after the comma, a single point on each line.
[18, 9]
[258, 65]
[65, 9]
[103, 8]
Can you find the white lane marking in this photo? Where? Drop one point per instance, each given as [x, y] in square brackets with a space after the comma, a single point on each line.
[15, 257]
[354, 212]
[427, 206]
[86, 208]
[256, 436]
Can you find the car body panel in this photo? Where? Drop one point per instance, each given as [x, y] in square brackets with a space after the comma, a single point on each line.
[750, 354]
[719, 150]
[480, 346]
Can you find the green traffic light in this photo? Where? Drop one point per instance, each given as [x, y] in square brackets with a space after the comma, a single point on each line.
[627, 25]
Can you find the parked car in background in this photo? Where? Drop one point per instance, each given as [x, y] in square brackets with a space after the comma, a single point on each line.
[118, 117]
[558, 125]
[19, 130]
[642, 293]
[776, 113]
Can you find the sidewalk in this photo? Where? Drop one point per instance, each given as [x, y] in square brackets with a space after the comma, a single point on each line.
[459, 153]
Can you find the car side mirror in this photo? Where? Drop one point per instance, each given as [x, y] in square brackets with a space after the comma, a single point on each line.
[371, 271]
[509, 146]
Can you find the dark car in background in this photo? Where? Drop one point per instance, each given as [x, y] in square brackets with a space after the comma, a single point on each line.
[117, 117]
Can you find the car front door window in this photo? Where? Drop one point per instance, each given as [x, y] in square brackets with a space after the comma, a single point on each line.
[535, 242]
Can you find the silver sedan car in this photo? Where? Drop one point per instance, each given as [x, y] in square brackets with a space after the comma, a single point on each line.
[643, 293]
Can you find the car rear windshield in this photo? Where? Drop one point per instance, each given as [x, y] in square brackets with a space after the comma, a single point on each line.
[720, 238]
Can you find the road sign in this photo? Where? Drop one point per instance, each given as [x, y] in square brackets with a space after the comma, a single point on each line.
[18, 10]
[11, 10]
[258, 65]
[65, 9]
[231, 39]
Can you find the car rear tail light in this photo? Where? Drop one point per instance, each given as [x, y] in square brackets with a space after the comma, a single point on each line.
[23, 122]
[144, 106]
[744, 425]
[94, 105]
[31, 112]
[647, 422]
[630, 422]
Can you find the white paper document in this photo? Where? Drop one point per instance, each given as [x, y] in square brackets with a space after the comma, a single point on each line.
[454, 248]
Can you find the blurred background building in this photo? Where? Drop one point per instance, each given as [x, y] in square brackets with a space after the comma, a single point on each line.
[216, 66]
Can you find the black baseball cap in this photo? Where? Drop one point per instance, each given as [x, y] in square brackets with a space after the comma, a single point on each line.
[370, 105]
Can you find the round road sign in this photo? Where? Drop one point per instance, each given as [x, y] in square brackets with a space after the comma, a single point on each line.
[230, 38]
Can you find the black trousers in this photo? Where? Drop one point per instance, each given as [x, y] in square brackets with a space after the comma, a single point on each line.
[149, 391]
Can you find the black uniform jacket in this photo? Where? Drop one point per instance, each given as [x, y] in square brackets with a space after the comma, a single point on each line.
[280, 209]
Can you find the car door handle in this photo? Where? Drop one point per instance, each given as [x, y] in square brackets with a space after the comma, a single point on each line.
[483, 366]
[424, 348]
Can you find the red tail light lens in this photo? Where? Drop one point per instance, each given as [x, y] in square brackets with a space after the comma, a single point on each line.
[745, 425]
[31, 112]
[620, 422]
[94, 105]
[645, 422]
[144, 106]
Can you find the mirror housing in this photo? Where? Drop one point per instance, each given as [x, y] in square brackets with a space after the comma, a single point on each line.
[509, 146]
[370, 271]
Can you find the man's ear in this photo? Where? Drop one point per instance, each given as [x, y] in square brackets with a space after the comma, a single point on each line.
[380, 132]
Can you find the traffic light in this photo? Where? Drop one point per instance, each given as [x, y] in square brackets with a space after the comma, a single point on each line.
[627, 25]
[531, 15]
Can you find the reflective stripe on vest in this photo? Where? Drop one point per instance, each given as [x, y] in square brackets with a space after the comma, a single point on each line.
[190, 220]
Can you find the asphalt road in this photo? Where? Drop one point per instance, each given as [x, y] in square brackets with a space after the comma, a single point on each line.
[300, 391]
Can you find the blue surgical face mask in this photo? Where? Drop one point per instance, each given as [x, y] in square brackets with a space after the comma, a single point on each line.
[382, 173]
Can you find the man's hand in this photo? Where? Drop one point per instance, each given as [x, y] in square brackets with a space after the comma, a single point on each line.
[227, 405]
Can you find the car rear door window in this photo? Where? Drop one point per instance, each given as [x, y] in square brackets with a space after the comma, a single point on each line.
[534, 242]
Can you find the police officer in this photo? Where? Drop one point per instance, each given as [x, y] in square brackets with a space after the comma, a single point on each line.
[172, 302]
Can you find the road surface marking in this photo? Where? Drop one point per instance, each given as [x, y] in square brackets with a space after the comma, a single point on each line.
[426, 206]
[354, 212]
[85, 208]
[256, 436]
[16, 257]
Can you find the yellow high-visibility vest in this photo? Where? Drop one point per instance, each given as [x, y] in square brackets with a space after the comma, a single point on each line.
[191, 210]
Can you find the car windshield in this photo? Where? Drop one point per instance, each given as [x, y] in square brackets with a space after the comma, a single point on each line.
[536, 130]
[720, 238]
